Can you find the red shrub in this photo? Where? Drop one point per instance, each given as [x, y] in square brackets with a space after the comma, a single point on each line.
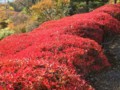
[39, 74]
[104, 20]
[108, 24]
[81, 27]
[14, 44]
[87, 29]
[112, 9]
[85, 54]
[118, 4]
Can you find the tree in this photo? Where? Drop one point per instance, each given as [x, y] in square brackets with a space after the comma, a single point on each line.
[113, 1]
[50, 9]
[19, 5]
[81, 6]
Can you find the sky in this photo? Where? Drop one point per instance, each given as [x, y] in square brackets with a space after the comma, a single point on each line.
[3, 1]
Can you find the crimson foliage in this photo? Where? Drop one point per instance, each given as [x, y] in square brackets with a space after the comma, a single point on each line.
[58, 53]
[112, 9]
[81, 27]
[39, 74]
[22, 68]
[85, 54]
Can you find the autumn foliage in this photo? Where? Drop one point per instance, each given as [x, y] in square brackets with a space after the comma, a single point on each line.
[39, 74]
[113, 10]
[59, 53]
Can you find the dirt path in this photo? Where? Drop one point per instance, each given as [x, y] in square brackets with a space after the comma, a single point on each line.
[109, 79]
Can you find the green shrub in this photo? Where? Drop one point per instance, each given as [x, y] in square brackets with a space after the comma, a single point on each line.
[5, 32]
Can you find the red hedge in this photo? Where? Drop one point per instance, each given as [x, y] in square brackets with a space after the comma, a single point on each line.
[39, 74]
[104, 20]
[85, 54]
[22, 69]
[82, 28]
[112, 9]
[14, 44]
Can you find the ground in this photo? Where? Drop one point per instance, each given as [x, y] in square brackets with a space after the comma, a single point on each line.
[109, 79]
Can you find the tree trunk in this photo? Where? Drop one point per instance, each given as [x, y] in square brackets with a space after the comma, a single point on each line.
[115, 1]
[87, 2]
[112, 1]
[87, 5]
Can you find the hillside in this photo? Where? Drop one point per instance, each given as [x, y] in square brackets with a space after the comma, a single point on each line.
[59, 54]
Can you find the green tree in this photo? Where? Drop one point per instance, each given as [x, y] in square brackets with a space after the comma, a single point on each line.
[80, 6]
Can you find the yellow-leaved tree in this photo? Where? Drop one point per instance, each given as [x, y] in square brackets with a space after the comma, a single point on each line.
[50, 9]
[5, 13]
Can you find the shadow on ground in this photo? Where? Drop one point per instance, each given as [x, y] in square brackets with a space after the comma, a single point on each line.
[109, 79]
